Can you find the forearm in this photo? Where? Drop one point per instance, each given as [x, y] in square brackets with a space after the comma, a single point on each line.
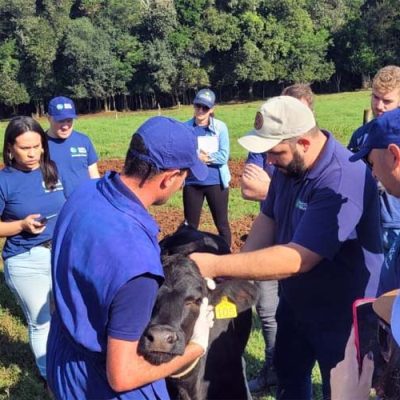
[276, 262]
[93, 171]
[126, 370]
[11, 228]
[253, 190]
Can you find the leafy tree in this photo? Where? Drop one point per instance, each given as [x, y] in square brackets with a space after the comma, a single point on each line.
[88, 65]
[12, 92]
[38, 44]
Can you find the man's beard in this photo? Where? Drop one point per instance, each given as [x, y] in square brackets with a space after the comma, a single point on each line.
[296, 168]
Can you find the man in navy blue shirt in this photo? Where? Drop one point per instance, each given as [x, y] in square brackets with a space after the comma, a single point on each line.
[72, 151]
[107, 270]
[385, 97]
[254, 184]
[317, 233]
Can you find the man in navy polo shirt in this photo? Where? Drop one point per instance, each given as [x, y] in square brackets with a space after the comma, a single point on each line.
[72, 151]
[317, 233]
[107, 270]
[382, 150]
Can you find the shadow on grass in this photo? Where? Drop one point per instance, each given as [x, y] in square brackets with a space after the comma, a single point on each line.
[19, 378]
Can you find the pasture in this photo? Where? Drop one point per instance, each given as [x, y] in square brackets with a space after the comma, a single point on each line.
[340, 113]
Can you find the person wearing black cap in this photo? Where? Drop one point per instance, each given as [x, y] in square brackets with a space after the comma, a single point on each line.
[107, 270]
[213, 146]
[72, 151]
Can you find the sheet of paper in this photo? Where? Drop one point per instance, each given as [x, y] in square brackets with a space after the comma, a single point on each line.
[209, 144]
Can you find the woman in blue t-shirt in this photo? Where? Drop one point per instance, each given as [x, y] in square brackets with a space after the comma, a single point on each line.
[213, 148]
[31, 197]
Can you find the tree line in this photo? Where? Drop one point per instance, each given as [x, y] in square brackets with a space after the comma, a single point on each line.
[135, 54]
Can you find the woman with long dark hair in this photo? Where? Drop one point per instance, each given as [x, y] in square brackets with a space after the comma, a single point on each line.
[31, 197]
[213, 148]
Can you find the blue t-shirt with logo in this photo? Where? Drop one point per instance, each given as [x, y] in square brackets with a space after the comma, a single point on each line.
[390, 205]
[23, 193]
[73, 157]
[333, 210]
[97, 250]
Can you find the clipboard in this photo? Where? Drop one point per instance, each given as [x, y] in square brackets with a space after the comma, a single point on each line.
[208, 144]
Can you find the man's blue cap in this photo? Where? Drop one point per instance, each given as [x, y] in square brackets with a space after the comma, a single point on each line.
[171, 145]
[205, 97]
[384, 130]
[61, 108]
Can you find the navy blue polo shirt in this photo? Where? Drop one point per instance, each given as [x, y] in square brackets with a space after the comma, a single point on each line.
[333, 211]
[105, 243]
[390, 205]
[73, 157]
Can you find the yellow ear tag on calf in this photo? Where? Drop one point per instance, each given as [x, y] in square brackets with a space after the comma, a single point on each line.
[225, 309]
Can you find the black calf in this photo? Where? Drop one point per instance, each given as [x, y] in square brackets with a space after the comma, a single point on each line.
[218, 374]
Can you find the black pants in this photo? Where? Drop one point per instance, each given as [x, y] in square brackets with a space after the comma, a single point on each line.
[217, 200]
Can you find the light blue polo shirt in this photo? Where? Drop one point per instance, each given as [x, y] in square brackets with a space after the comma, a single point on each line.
[333, 211]
[104, 239]
[73, 157]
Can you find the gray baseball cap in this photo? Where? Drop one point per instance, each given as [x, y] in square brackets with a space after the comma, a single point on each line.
[280, 118]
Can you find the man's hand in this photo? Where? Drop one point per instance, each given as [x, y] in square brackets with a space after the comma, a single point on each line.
[346, 382]
[205, 321]
[254, 183]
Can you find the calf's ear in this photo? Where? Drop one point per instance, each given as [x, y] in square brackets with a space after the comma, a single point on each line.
[244, 294]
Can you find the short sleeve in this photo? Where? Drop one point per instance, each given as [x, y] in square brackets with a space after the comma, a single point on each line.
[131, 308]
[92, 155]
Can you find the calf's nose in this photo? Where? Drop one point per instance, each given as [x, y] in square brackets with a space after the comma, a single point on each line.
[160, 338]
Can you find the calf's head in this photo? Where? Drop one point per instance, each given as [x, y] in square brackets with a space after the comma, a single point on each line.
[178, 301]
[175, 312]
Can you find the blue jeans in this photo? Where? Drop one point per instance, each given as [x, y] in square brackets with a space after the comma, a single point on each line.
[28, 275]
[266, 310]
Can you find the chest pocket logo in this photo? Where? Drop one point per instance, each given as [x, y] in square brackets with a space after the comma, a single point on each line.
[301, 205]
[78, 151]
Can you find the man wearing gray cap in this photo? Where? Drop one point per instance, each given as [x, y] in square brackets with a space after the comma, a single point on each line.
[316, 233]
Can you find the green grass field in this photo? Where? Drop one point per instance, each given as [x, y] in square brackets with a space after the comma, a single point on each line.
[339, 113]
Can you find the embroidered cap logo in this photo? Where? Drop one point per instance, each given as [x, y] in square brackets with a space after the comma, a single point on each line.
[258, 121]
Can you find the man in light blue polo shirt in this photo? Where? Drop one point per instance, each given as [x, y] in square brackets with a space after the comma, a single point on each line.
[318, 233]
[107, 270]
[72, 151]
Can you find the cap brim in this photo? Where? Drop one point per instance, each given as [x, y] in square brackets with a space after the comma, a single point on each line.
[257, 144]
[383, 305]
[203, 103]
[199, 170]
[63, 117]
[364, 151]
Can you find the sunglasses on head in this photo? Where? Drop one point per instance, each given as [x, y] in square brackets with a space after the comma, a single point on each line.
[202, 107]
